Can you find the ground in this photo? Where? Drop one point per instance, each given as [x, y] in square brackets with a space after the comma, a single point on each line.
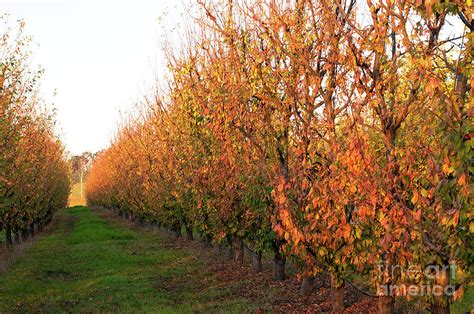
[93, 261]
[75, 198]
[87, 264]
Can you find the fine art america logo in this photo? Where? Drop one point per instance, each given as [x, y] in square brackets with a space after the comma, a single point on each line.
[434, 280]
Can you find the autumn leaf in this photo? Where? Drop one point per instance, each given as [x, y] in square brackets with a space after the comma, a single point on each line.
[281, 187]
[282, 199]
[353, 189]
[456, 218]
[458, 294]
[415, 197]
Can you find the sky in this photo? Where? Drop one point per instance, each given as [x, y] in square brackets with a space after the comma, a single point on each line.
[100, 59]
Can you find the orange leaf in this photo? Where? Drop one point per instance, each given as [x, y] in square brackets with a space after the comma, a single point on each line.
[456, 218]
[434, 82]
[415, 197]
[282, 199]
[315, 202]
[458, 293]
[347, 231]
[446, 167]
[281, 187]
[418, 215]
[462, 179]
[353, 189]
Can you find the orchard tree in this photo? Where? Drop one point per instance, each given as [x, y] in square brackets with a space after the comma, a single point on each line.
[34, 176]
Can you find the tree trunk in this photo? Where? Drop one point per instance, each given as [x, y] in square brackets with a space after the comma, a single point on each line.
[386, 304]
[176, 231]
[229, 250]
[24, 233]
[8, 235]
[239, 250]
[199, 236]
[257, 261]
[279, 262]
[337, 292]
[440, 301]
[307, 285]
[208, 240]
[32, 229]
[17, 237]
[189, 233]
[440, 308]
[229, 253]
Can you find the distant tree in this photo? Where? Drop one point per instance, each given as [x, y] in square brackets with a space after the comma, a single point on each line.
[80, 165]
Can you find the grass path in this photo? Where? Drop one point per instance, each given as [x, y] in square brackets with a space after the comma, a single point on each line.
[88, 264]
[95, 262]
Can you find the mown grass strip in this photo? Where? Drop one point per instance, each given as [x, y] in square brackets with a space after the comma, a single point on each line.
[89, 265]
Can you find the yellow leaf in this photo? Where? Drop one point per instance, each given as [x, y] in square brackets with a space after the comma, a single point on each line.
[462, 179]
[321, 252]
[415, 197]
[447, 169]
[353, 189]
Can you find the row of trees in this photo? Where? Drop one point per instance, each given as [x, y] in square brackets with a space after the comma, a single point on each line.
[337, 133]
[34, 174]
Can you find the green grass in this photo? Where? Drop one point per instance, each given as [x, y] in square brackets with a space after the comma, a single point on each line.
[90, 265]
[466, 303]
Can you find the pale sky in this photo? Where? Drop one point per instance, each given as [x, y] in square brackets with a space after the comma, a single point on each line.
[100, 57]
